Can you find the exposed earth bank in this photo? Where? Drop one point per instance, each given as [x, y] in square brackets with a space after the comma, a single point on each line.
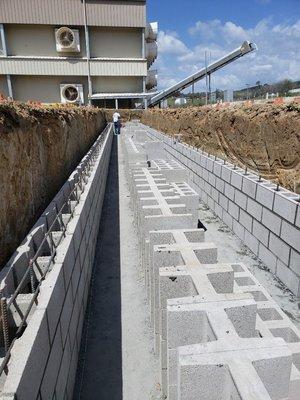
[39, 148]
[263, 137]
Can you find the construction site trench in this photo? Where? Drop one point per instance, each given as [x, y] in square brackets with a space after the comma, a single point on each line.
[167, 264]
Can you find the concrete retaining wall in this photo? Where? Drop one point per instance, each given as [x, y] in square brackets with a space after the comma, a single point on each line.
[44, 360]
[266, 220]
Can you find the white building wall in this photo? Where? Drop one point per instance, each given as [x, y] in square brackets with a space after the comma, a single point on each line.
[126, 84]
[45, 89]
[116, 43]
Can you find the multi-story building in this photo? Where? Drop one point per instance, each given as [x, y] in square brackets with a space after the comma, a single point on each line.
[84, 51]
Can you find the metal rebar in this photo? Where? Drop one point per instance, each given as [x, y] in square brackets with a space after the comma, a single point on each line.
[277, 187]
[31, 274]
[259, 178]
[246, 170]
[5, 323]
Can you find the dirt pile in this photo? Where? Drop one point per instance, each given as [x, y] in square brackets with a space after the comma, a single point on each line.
[39, 148]
[265, 138]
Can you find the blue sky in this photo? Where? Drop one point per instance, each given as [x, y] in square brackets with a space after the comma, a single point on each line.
[189, 27]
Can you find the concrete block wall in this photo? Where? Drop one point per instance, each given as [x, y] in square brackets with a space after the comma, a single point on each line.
[218, 333]
[266, 220]
[43, 362]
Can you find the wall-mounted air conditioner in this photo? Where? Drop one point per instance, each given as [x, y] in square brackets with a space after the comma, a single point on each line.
[151, 52]
[151, 31]
[151, 80]
[71, 93]
[67, 40]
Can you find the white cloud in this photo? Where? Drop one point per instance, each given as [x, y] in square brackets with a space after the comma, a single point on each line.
[168, 43]
[277, 58]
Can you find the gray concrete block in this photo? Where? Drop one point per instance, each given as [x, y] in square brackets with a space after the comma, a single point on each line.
[240, 199]
[219, 210]
[288, 277]
[267, 257]
[279, 248]
[52, 296]
[234, 210]
[227, 218]
[220, 185]
[261, 233]
[254, 209]
[28, 358]
[236, 179]
[238, 229]
[215, 195]
[265, 194]
[246, 220]
[212, 180]
[63, 373]
[251, 242]
[291, 235]
[229, 191]
[249, 186]
[52, 368]
[271, 221]
[295, 262]
[223, 201]
[217, 169]
[285, 205]
[297, 224]
[66, 314]
[209, 164]
[226, 173]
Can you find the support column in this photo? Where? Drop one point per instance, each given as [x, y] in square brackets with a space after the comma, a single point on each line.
[88, 54]
[4, 52]
[116, 104]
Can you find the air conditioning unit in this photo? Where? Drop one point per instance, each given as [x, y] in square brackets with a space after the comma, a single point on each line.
[151, 31]
[71, 93]
[67, 40]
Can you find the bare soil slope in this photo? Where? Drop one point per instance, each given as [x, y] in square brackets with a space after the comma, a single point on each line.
[39, 148]
[263, 137]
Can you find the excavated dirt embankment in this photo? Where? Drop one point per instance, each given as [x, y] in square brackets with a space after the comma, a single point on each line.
[39, 147]
[265, 138]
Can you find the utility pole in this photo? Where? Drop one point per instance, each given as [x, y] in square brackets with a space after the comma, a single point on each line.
[206, 81]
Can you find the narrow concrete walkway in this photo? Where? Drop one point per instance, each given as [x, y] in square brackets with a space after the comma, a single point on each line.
[117, 360]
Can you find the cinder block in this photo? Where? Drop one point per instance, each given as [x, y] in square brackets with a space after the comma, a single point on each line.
[280, 248]
[217, 169]
[212, 180]
[238, 229]
[251, 242]
[261, 232]
[234, 210]
[265, 194]
[291, 235]
[52, 368]
[28, 358]
[227, 218]
[295, 262]
[226, 173]
[220, 185]
[209, 164]
[246, 220]
[229, 191]
[267, 257]
[249, 186]
[236, 179]
[216, 368]
[63, 372]
[288, 277]
[285, 205]
[298, 217]
[223, 201]
[271, 221]
[254, 209]
[219, 210]
[240, 199]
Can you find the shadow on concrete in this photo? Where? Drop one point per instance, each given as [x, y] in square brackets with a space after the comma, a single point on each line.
[99, 373]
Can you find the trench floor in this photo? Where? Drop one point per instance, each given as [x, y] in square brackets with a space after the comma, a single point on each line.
[117, 359]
